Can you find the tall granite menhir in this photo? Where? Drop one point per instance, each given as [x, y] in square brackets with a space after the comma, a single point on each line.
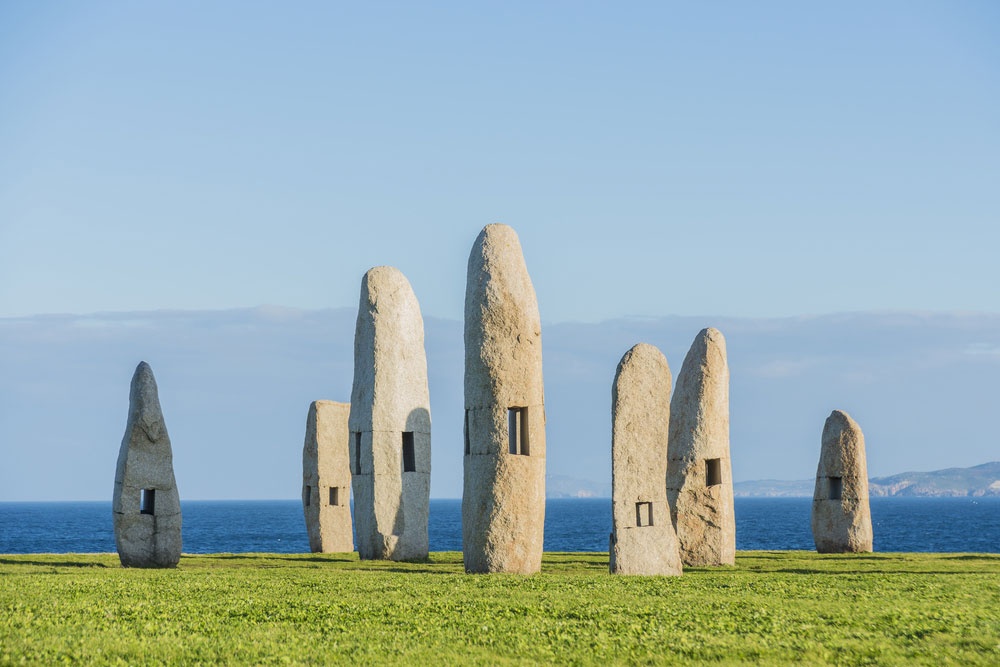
[390, 421]
[145, 505]
[699, 471]
[503, 501]
[841, 517]
[326, 478]
[643, 539]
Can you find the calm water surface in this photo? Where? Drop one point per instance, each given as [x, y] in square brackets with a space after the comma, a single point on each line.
[210, 526]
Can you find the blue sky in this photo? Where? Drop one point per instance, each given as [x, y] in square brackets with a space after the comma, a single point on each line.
[731, 159]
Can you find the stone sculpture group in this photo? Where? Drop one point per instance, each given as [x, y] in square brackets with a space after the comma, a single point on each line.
[672, 488]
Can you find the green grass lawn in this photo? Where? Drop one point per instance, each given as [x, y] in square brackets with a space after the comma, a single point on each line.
[774, 607]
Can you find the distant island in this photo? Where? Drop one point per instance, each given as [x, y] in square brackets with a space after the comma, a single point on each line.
[977, 481]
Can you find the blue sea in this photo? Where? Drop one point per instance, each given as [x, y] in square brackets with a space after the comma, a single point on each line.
[234, 526]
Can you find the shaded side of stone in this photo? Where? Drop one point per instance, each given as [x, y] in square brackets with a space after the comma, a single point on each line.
[503, 500]
[699, 468]
[643, 540]
[390, 421]
[841, 517]
[326, 478]
[145, 505]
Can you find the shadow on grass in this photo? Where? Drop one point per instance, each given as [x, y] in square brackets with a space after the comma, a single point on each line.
[295, 559]
[51, 563]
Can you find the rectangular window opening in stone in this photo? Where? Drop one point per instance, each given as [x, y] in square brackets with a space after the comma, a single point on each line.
[517, 430]
[334, 496]
[409, 455]
[357, 453]
[836, 488]
[468, 447]
[713, 472]
[307, 496]
[643, 514]
[147, 501]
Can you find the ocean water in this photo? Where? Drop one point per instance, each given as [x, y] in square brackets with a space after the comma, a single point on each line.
[234, 526]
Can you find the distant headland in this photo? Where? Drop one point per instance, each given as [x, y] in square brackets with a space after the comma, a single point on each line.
[977, 481]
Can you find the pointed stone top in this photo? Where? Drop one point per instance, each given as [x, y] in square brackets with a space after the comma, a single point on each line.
[643, 356]
[144, 404]
[497, 245]
[842, 450]
[387, 286]
[378, 277]
[708, 338]
[840, 419]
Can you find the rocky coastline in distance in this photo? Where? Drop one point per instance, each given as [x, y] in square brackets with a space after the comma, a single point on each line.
[977, 481]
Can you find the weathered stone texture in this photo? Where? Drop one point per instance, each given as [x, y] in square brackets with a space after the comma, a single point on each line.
[643, 540]
[503, 502]
[390, 414]
[150, 535]
[841, 518]
[326, 478]
[699, 470]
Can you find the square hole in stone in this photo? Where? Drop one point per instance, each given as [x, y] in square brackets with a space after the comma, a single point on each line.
[836, 488]
[643, 514]
[147, 501]
[334, 496]
[713, 472]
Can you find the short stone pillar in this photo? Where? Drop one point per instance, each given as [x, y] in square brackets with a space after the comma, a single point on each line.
[326, 478]
[699, 470]
[841, 518]
[145, 505]
[642, 539]
[503, 500]
[390, 421]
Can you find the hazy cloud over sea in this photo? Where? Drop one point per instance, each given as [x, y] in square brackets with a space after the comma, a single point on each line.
[235, 386]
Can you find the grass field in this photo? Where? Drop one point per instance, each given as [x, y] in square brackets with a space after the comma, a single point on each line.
[774, 607]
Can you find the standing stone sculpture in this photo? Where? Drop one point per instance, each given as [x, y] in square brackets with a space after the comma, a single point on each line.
[699, 470]
[841, 518]
[145, 505]
[642, 539]
[503, 501]
[390, 421]
[326, 478]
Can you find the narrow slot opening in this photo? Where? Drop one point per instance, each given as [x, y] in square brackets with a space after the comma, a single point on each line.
[836, 488]
[713, 472]
[357, 453]
[409, 455]
[643, 514]
[147, 501]
[517, 431]
[468, 446]
[307, 496]
[334, 495]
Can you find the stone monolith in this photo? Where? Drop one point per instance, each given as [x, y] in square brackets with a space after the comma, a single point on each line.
[643, 540]
[390, 421]
[145, 505]
[503, 501]
[699, 471]
[326, 478]
[841, 518]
